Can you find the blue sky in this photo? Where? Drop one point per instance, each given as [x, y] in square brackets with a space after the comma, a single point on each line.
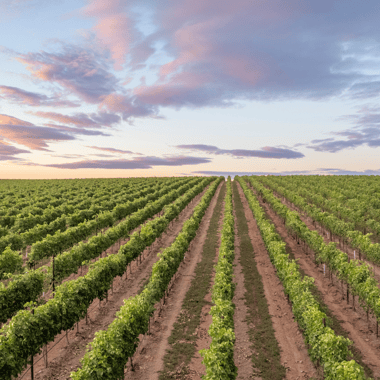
[110, 88]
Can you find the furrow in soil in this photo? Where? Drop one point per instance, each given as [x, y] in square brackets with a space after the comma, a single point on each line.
[148, 362]
[65, 356]
[294, 355]
[242, 349]
[353, 323]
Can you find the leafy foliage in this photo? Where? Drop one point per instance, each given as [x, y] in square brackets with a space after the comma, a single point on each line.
[73, 298]
[10, 262]
[219, 358]
[324, 346]
[111, 348]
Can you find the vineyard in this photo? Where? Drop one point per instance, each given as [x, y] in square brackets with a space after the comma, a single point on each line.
[261, 277]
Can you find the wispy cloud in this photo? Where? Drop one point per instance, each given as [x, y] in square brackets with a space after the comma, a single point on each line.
[17, 95]
[128, 106]
[8, 152]
[113, 150]
[83, 71]
[225, 51]
[36, 137]
[366, 131]
[70, 156]
[93, 120]
[77, 131]
[265, 152]
[136, 163]
[218, 52]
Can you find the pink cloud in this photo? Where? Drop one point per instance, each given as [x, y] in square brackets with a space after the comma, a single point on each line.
[7, 151]
[113, 32]
[177, 13]
[265, 152]
[10, 120]
[127, 106]
[209, 68]
[18, 95]
[83, 72]
[82, 120]
[136, 163]
[193, 45]
[35, 137]
[25, 133]
[113, 150]
[114, 29]
[76, 131]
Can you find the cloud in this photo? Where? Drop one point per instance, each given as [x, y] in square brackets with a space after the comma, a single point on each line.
[102, 119]
[102, 155]
[70, 156]
[215, 53]
[332, 171]
[113, 150]
[83, 71]
[136, 163]
[366, 131]
[76, 131]
[265, 152]
[128, 106]
[7, 151]
[114, 29]
[221, 51]
[35, 137]
[20, 96]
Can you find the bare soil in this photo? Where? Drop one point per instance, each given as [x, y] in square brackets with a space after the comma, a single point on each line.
[64, 355]
[242, 350]
[294, 355]
[353, 254]
[352, 321]
[196, 368]
[148, 361]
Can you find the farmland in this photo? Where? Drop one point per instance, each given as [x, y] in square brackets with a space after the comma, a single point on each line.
[190, 277]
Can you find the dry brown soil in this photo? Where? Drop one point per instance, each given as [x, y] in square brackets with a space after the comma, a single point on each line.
[196, 368]
[294, 354]
[148, 360]
[242, 350]
[64, 357]
[354, 322]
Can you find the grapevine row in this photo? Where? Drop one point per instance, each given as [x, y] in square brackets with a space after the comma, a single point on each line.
[36, 227]
[111, 348]
[335, 225]
[324, 346]
[61, 241]
[219, 358]
[28, 332]
[14, 296]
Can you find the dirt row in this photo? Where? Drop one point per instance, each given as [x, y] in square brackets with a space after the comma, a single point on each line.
[65, 356]
[353, 321]
[47, 260]
[294, 355]
[242, 350]
[82, 271]
[353, 253]
[148, 362]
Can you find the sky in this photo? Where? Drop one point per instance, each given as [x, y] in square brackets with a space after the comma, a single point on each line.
[116, 88]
